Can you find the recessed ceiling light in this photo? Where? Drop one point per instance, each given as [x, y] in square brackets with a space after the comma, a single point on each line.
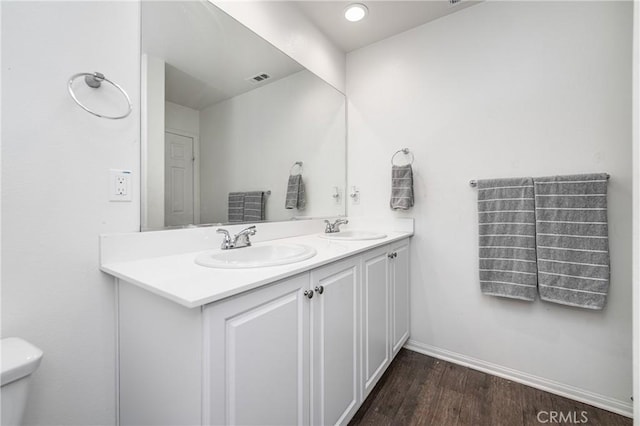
[355, 12]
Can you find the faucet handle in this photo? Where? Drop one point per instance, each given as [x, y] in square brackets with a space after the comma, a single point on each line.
[251, 230]
[241, 239]
[336, 225]
[226, 240]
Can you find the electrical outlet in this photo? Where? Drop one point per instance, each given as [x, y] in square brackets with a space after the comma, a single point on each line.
[120, 185]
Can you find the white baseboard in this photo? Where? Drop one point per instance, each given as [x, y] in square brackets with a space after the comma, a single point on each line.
[610, 404]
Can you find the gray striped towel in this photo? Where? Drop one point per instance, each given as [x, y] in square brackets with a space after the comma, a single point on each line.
[254, 206]
[236, 207]
[572, 239]
[506, 222]
[401, 187]
[296, 195]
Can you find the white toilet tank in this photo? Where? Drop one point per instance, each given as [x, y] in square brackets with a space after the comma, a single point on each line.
[19, 360]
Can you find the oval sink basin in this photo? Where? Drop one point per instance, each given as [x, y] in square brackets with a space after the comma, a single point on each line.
[354, 235]
[256, 256]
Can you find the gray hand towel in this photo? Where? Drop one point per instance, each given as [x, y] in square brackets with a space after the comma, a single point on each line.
[401, 187]
[506, 225]
[572, 239]
[254, 206]
[236, 206]
[296, 195]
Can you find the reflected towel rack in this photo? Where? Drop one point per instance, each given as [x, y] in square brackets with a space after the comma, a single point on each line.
[297, 163]
[474, 182]
[267, 192]
[404, 151]
[94, 80]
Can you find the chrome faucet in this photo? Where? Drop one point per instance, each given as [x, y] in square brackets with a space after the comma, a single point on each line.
[241, 239]
[335, 226]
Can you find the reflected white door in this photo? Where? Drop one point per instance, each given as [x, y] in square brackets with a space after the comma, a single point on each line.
[178, 180]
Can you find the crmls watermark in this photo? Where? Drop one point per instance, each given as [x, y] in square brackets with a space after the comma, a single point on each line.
[561, 417]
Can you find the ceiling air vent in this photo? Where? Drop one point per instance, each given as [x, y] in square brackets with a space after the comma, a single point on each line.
[259, 78]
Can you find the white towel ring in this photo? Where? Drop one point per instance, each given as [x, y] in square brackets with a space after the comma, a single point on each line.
[297, 163]
[94, 80]
[404, 151]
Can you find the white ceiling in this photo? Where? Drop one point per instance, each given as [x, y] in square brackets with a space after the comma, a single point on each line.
[386, 18]
[210, 57]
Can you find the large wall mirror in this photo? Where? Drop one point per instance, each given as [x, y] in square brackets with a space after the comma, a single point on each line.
[227, 119]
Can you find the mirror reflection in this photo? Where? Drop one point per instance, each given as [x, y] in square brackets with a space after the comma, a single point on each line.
[233, 130]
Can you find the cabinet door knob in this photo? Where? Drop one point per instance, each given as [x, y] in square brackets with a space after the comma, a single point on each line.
[308, 293]
[320, 289]
[390, 255]
[395, 254]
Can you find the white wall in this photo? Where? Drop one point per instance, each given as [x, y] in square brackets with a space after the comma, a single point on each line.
[179, 117]
[55, 162]
[496, 90]
[636, 210]
[153, 127]
[284, 26]
[244, 146]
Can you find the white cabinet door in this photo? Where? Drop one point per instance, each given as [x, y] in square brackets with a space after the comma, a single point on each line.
[399, 295]
[375, 318]
[257, 356]
[334, 343]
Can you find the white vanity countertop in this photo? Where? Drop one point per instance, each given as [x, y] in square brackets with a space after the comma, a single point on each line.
[178, 278]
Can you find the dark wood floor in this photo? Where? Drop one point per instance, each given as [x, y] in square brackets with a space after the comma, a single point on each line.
[421, 390]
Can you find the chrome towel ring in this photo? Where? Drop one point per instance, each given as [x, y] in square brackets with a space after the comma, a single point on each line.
[94, 80]
[404, 151]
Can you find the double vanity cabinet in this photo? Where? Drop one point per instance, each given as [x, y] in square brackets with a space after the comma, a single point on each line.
[305, 349]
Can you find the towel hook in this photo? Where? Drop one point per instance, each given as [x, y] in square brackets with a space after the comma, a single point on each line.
[404, 151]
[94, 80]
[297, 163]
